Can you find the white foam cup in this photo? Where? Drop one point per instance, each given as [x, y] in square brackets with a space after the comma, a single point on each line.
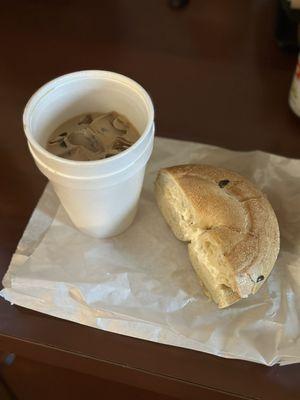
[100, 197]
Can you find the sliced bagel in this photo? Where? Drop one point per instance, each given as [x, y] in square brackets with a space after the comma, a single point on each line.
[230, 226]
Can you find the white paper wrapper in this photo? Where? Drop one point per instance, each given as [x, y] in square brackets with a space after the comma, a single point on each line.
[142, 284]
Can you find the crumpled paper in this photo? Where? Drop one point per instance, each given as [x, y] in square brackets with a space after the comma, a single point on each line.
[141, 283]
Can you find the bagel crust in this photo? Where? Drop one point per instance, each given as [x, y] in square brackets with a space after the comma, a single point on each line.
[230, 226]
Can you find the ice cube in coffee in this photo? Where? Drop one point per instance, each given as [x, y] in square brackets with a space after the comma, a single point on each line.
[92, 136]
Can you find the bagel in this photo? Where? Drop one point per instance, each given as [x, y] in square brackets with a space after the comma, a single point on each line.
[230, 226]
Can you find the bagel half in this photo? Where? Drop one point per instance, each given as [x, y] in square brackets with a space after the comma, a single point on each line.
[230, 226]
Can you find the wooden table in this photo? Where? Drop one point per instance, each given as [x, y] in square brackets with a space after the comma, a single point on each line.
[216, 76]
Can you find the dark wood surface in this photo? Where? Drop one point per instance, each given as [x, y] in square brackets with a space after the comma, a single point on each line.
[48, 382]
[216, 76]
